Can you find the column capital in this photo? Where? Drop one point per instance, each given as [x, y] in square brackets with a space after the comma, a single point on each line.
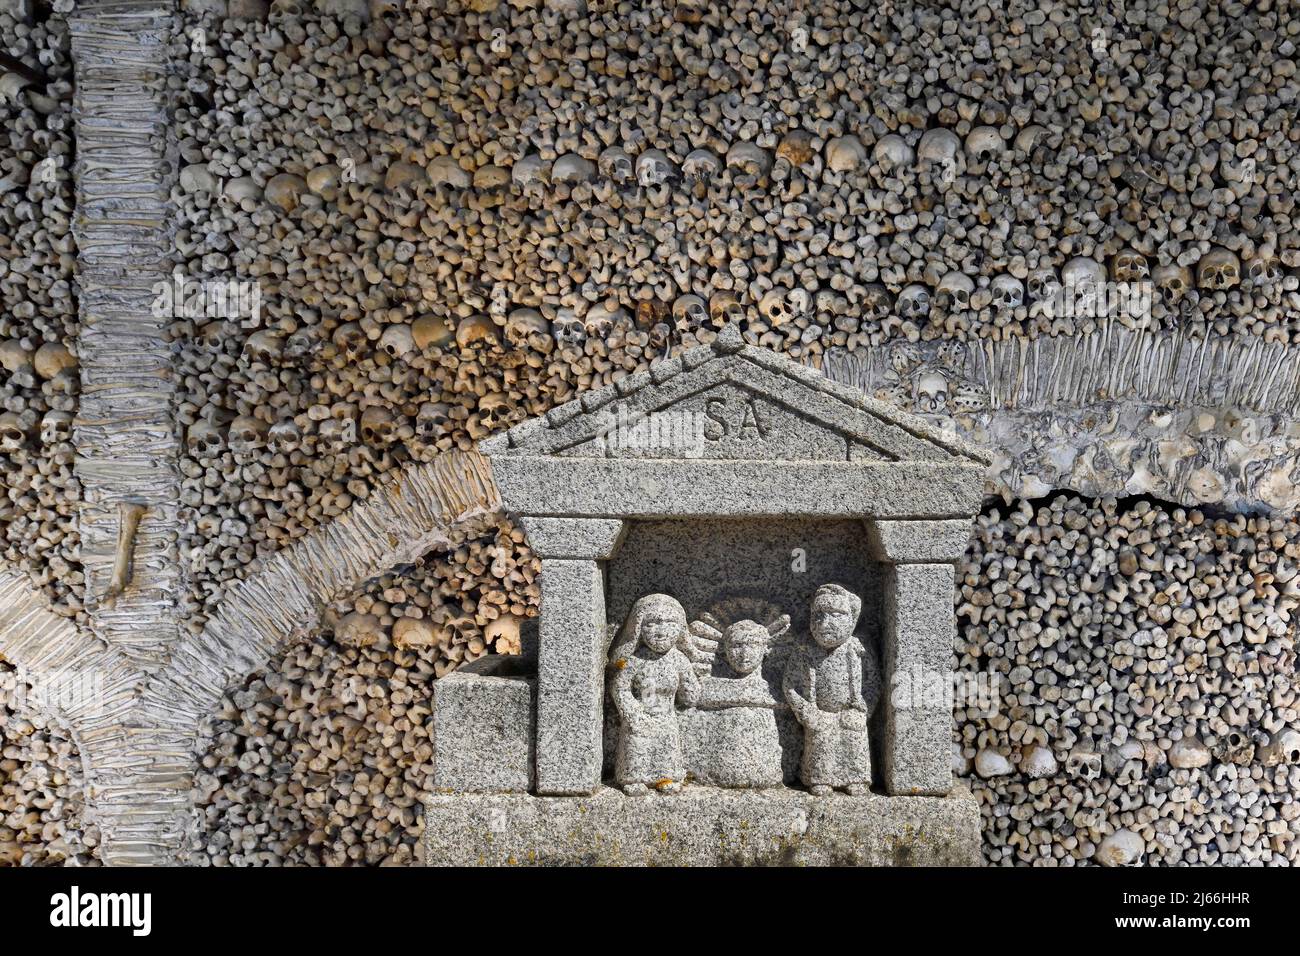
[919, 541]
[595, 539]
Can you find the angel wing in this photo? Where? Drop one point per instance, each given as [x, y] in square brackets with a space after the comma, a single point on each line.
[702, 640]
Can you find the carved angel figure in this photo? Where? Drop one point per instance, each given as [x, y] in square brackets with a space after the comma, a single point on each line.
[650, 677]
[824, 687]
[738, 744]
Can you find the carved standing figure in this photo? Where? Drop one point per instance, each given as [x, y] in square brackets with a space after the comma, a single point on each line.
[824, 687]
[736, 743]
[651, 676]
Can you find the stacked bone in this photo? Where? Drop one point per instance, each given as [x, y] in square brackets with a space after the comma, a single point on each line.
[41, 794]
[460, 217]
[1148, 707]
[38, 313]
[325, 757]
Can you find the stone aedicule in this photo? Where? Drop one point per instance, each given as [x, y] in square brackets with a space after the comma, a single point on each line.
[752, 648]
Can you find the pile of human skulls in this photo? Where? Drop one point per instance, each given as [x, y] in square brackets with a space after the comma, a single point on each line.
[38, 310]
[41, 788]
[325, 756]
[1140, 701]
[458, 217]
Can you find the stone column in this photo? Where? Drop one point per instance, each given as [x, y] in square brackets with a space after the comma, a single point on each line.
[919, 627]
[572, 648]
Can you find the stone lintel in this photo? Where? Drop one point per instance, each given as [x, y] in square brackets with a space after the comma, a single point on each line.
[702, 826]
[918, 541]
[668, 488]
[570, 676]
[919, 626]
[591, 538]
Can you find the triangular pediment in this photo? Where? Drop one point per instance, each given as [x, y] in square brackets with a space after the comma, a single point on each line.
[732, 402]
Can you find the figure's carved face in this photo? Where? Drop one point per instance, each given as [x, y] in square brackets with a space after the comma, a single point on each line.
[661, 630]
[832, 622]
[745, 645]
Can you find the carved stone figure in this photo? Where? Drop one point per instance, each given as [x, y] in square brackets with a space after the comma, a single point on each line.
[823, 686]
[651, 676]
[736, 743]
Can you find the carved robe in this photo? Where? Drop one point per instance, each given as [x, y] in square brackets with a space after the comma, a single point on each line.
[646, 691]
[825, 691]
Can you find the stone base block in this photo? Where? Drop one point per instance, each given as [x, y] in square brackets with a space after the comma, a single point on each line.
[702, 826]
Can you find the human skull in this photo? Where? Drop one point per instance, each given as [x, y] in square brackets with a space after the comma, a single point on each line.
[845, 153]
[56, 426]
[954, 292]
[568, 329]
[398, 340]
[798, 303]
[1129, 266]
[1083, 763]
[12, 433]
[690, 313]
[358, 630]
[1218, 269]
[892, 152]
[445, 171]
[701, 166]
[377, 426]
[877, 302]
[984, 142]
[654, 169]
[301, 345]
[724, 307]
[530, 174]
[349, 340]
[1008, 292]
[658, 336]
[1264, 269]
[522, 325]
[431, 331]
[494, 411]
[431, 419]
[749, 161]
[1172, 280]
[572, 168]
[284, 436]
[1082, 275]
[1043, 285]
[774, 306]
[914, 302]
[616, 165]
[477, 332]
[203, 439]
[939, 149]
[247, 434]
[601, 320]
[931, 392]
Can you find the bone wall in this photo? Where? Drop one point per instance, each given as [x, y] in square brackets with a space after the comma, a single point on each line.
[462, 214]
[41, 785]
[38, 307]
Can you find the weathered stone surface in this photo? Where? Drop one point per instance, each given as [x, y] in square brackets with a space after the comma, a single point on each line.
[919, 542]
[574, 537]
[919, 626]
[605, 488]
[702, 826]
[483, 731]
[570, 677]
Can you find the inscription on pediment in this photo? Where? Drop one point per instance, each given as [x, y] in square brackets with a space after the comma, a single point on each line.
[725, 421]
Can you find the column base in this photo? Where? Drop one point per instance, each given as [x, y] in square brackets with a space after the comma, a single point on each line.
[702, 826]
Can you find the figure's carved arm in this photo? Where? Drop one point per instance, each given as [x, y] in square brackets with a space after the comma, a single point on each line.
[688, 687]
[624, 702]
[805, 710]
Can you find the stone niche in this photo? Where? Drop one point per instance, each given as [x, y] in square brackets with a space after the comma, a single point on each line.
[746, 630]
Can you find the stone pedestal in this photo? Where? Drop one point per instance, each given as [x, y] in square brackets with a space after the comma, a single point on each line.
[702, 826]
